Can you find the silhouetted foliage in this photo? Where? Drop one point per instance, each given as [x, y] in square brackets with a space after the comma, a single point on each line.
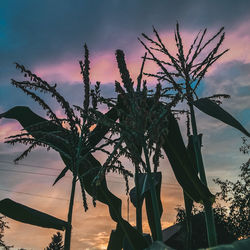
[232, 220]
[199, 233]
[56, 243]
[3, 226]
[140, 123]
[237, 197]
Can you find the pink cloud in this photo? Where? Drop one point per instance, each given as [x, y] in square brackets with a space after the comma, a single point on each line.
[238, 40]
[104, 67]
[10, 128]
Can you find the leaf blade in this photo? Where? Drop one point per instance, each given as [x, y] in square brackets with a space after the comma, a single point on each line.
[212, 109]
[61, 175]
[22, 213]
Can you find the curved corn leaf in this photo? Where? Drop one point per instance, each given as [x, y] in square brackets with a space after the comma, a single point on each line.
[149, 206]
[187, 200]
[190, 150]
[61, 175]
[145, 193]
[211, 108]
[27, 118]
[22, 213]
[182, 165]
[144, 186]
[115, 240]
[135, 238]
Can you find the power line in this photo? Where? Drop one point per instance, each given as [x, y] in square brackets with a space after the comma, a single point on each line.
[52, 175]
[37, 195]
[28, 172]
[28, 165]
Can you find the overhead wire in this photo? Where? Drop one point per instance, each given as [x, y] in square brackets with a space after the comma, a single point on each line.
[35, 173]
[174, 185]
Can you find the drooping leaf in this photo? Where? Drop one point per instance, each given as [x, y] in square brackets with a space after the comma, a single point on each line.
[187, 200]
[190, 150]
[144, 186]
[27, 118]
[22, 213]
[211, 108]
[61, 175]
[182, 165]
[135, 238]
[115, 240]
[149, 206]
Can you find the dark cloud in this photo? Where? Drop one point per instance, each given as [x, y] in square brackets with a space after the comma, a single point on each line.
[35, 31]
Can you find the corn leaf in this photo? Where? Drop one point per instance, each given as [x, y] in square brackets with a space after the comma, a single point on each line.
[134, 237]
[61, 175]
[182, 165]
[22, 213]
[211, 108]
[115, 240]
[187, 200]
[144, 185]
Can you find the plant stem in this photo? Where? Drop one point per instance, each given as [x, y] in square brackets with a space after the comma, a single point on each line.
[154, 198]
[138, 202]
[209, 215]
[70, 212]
[188, 207]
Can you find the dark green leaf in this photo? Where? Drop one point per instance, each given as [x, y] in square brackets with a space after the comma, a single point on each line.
[182, 165]
[211, 108]
[115, 240]
[144, 185]
[135, 238]
[61, 175]
[22, 213]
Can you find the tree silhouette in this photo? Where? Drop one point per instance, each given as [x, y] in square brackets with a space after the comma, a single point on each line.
[231, 220]
[199, 237]
[3, 226]
[56, 243]
[237, 197]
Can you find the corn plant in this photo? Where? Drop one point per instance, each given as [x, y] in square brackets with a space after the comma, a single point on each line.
[184, 74]
[71, 137]
[141, 122]
[146, 124]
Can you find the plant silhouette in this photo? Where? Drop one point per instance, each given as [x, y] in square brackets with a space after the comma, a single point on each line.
[139, 124]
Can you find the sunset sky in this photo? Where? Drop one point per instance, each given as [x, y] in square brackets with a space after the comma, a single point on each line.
[48, 37]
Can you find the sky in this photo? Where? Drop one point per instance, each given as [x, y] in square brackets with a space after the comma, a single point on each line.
[48, 37]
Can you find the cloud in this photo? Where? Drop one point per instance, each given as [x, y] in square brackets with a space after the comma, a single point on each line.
[231, 78]
[30, 38]
[48, 38]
